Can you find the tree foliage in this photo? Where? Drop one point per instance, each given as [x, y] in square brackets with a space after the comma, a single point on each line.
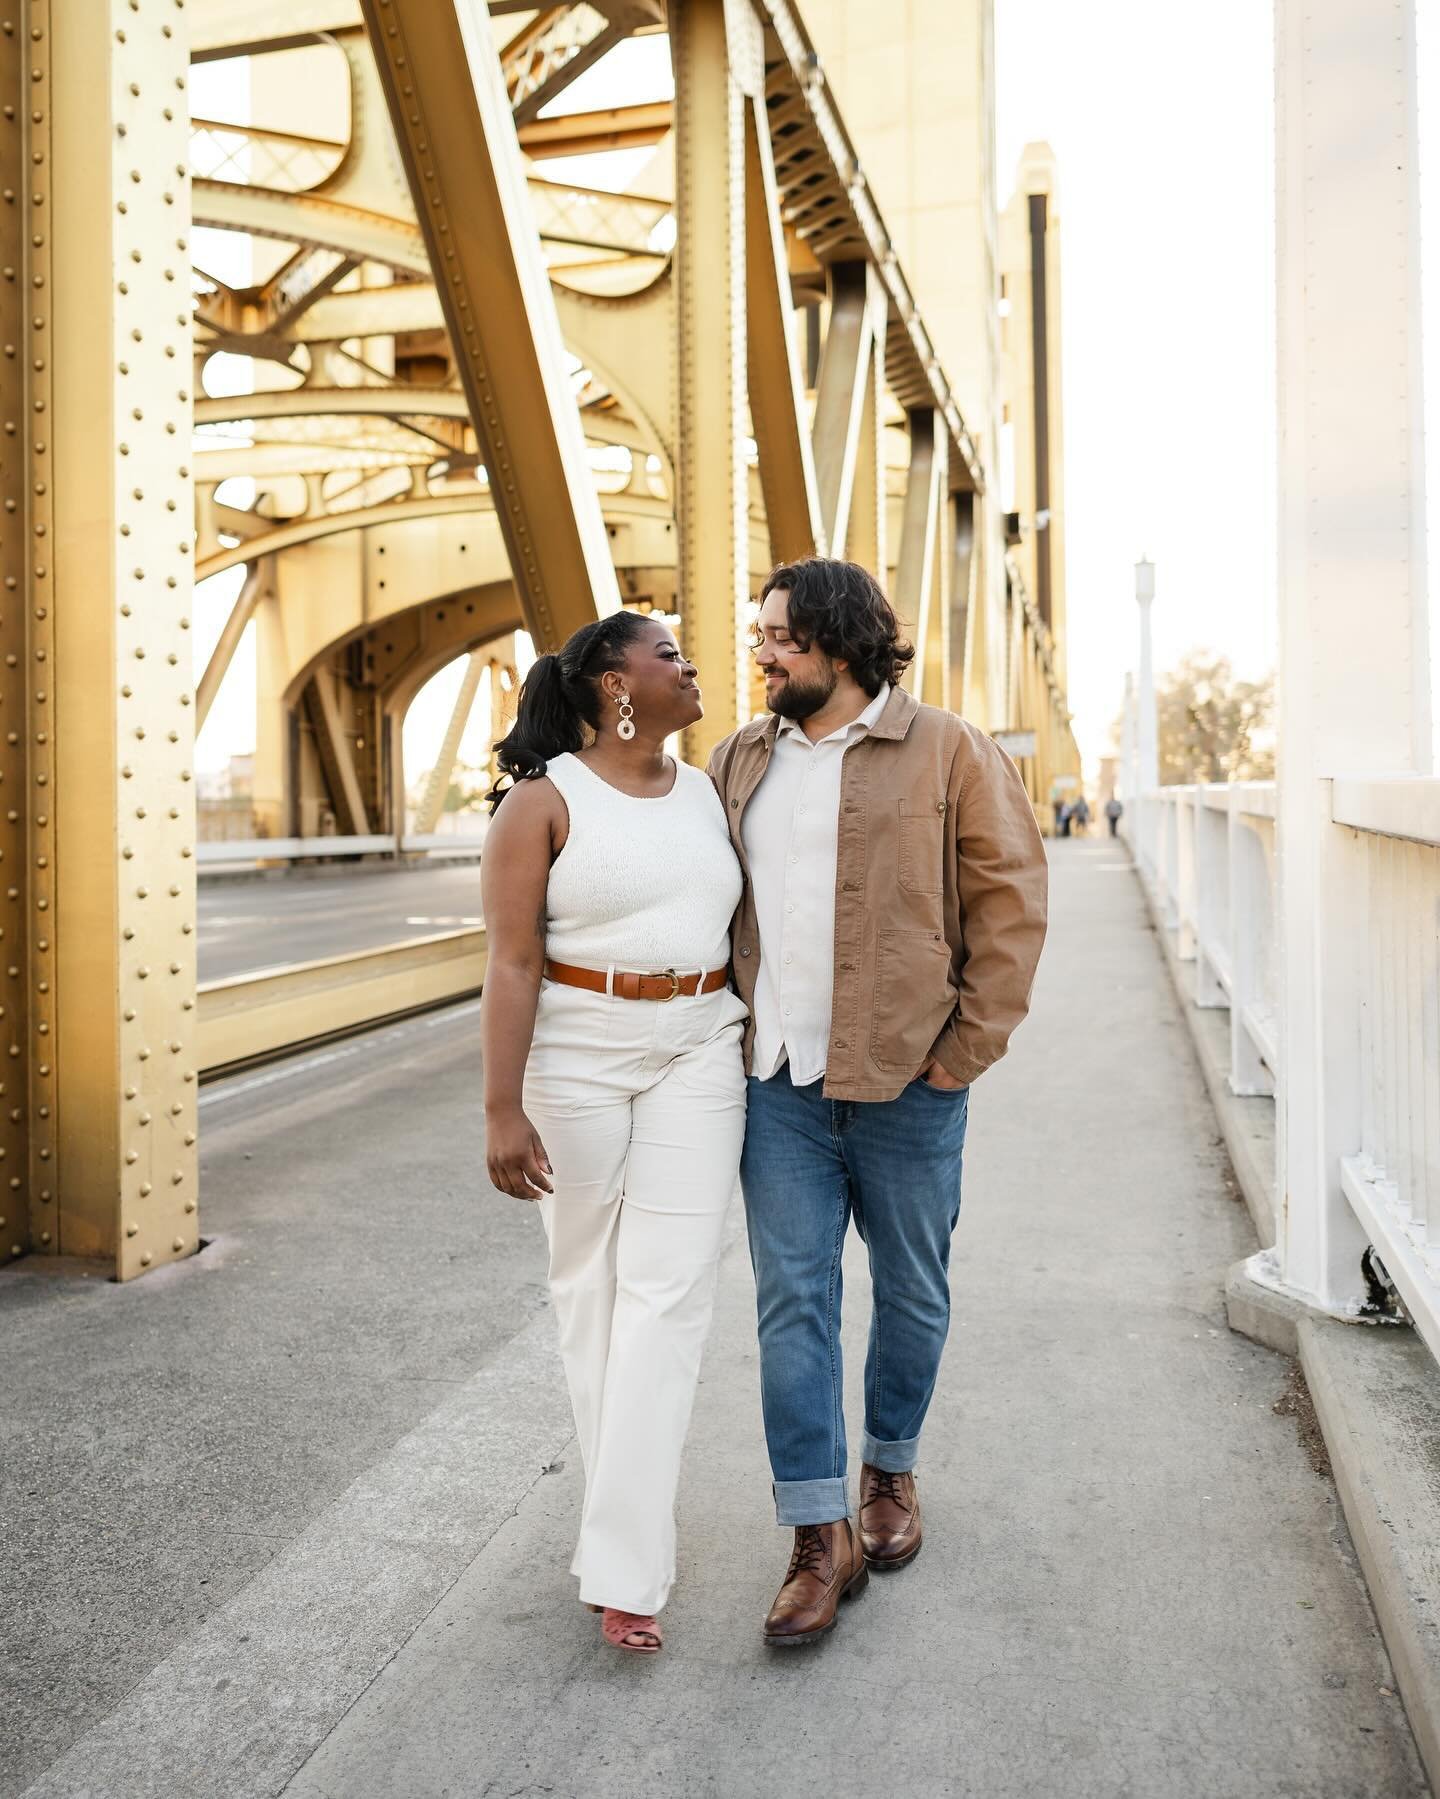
[1212, 727]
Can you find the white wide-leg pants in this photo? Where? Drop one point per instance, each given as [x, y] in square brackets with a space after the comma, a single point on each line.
[641, 1107]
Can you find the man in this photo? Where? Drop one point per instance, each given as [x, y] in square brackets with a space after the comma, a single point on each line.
[892, 918]
[1113, 809]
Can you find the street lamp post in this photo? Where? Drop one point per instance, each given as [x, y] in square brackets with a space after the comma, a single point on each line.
[1146, 749]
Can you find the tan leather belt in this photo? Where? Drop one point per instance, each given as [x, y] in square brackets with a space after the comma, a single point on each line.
[667, 985]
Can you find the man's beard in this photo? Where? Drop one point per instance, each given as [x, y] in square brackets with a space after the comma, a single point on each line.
[798, 700]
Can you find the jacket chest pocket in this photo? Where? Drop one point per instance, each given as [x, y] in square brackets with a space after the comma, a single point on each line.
[922, 846]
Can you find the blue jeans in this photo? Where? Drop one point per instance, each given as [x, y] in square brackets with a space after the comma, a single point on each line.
[809, 1164]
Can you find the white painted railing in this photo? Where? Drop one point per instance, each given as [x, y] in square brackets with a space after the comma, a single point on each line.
[1393, 1181]
[1214, 885]
[1211, 871]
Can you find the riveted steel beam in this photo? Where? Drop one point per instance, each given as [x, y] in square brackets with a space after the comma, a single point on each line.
[960, 518]
[777, 401]
[578, 217]
[312, 219]
[24, 1216]
[257, 579]
[401, 400]
[335, 746]
[115, 1052]
[610, 128]
[866, 534]
[438, 786]
[819, 168]
[554, 49]
[291, 533]
[920, 558]
[452, 118]
[845, 388]
[710, 481]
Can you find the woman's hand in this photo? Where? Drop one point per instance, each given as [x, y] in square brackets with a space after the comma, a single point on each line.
[515, 1157]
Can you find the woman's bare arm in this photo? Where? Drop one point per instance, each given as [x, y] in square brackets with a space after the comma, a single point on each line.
[527, 833]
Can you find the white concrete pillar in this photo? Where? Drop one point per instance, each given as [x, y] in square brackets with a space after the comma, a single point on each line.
[1147, 753]
[1354, 668]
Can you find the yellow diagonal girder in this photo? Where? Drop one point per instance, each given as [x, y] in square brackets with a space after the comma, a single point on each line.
[452, 118]
[777, 403]
[846, 365]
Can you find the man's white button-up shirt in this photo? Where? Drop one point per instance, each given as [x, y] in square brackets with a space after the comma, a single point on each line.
[791, 831]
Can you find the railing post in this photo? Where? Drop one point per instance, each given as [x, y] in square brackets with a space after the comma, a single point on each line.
[1214, 956]
[1170, 856]
[1252, 901]
[1351, 536]
[1186, 811]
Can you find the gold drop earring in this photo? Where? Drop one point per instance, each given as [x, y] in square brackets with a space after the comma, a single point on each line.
[626, 728]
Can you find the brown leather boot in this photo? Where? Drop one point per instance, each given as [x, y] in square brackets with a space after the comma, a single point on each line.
[889, 1519]
[826, 1566]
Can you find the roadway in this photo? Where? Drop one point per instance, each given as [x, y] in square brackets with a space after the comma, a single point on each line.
[269, 923]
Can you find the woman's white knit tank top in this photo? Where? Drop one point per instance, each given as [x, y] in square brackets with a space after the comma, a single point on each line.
[641, 884]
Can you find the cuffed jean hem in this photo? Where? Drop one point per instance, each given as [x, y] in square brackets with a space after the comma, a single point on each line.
[892, 1458]
[811, 1501]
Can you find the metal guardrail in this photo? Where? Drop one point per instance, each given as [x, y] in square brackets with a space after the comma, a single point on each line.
[1208, 855]
[1212, 871]
[1392, 830]
[249, 852]
[251, 1016]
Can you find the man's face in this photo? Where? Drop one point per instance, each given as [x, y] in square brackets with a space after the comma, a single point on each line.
[798, 681]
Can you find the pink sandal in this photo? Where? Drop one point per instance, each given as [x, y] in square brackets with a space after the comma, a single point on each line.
[619, 1627]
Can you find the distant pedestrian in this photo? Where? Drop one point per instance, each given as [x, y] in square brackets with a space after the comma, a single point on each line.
[1113, 809]
[1082, 816]
[1058, 807]
[1067, 814]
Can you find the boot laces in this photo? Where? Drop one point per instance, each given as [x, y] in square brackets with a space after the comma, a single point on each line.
[886, 1486]
[809, 1552]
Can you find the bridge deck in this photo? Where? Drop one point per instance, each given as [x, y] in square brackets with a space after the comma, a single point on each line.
[318, 1487]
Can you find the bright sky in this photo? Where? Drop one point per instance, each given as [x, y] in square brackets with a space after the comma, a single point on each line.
[1162, 125]
[1164, 134]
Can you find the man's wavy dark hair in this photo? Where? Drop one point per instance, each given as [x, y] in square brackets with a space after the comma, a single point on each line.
[842, 608]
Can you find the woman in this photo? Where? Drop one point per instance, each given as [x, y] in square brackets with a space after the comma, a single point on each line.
[614, 1092]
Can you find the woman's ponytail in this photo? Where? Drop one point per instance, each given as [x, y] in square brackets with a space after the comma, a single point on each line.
[561, 697]
[547, 723]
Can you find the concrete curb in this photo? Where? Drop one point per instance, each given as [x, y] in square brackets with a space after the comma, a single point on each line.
[1378, 1404]
[1376, 1399]
[1262, 1313]
[1247, 1125]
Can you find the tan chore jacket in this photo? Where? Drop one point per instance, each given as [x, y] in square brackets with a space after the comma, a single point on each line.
[940, 896]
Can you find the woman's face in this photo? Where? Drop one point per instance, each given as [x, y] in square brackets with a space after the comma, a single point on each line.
[661, 683]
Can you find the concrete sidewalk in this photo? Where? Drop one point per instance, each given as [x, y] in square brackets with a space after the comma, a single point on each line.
[1135, 1583]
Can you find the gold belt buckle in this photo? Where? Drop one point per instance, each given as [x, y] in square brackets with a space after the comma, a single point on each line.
[670, 975]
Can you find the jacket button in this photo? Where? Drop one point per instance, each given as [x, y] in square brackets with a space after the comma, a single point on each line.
[939, 805]
[744, 952]
[734, 805]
